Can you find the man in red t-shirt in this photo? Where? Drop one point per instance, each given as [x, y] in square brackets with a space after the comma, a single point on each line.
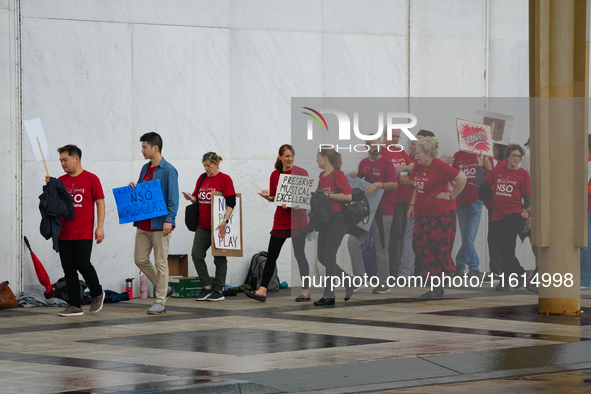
[382, 173]
[75, 239]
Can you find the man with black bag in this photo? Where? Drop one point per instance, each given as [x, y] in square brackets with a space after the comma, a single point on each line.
[383, 174]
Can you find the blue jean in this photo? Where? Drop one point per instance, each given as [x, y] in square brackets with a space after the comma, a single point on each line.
[586, 256]
[469, 220]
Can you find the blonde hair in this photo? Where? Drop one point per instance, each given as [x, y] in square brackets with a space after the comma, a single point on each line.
[212, 157]
[333, 157]
[429, 146]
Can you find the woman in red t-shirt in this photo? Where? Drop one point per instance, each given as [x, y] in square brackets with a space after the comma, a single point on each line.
[510, 185]
[287, 223]
[434, 207]
[213, 180]
[336, 187]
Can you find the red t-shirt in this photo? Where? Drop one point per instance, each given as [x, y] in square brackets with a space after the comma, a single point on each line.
[86, 189]
[399, 158]
[467, 163]
[335, 180]
[491, 201]
[509, 186]
[218, 183]
[429, 183]
[381, 170]
[146, 224]
[284, 217]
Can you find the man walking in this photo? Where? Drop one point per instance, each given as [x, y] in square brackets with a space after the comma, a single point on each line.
[75, 238]
[155, 233]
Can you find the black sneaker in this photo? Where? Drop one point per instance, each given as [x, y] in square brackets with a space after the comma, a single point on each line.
[381, 289]
[216, 295]
[472, 273]
[205, 294]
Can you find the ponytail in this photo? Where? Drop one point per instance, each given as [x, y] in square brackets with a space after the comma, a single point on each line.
[333, 156]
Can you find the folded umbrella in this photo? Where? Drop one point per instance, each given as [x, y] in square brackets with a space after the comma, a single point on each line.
[40, 270]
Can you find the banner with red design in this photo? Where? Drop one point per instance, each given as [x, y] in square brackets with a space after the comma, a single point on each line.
[474, 137]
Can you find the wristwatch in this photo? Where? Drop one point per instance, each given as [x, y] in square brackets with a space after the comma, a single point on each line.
[227, 221]
[450, 197]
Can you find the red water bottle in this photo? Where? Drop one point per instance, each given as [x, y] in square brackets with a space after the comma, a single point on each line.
[129, 287]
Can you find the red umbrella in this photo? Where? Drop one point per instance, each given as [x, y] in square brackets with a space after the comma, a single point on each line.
[40, 270]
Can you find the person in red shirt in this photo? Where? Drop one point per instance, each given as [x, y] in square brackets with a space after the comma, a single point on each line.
[511, 185]
[75, 239]
[382, 174]
[336, 187]
[434, 207]
[403, 165]
[213, 181]
[287, 223]
[469, 212]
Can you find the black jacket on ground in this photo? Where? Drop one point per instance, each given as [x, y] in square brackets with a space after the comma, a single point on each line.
[55, 203]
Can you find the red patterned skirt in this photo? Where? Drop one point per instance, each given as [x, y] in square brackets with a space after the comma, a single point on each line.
[432, 241]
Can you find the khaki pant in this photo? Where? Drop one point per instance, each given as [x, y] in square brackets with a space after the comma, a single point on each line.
[158, 275]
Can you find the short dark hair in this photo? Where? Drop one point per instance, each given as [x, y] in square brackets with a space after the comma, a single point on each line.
[72, 150]
[153, 139]
[513, 147]
[426, 133]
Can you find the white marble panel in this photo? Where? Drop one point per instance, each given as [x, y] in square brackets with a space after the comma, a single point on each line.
[93, 10]
[508, 20]
[446, 67]
[457, 18]
[181, 12]
[77, 78]
[383, 17]
[113, 258]
[302, 15]
[181, 89]
[268, 69]
[364, 66]
[508, 68]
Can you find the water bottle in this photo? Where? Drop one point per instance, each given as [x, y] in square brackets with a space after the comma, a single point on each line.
[129, 287]
[143, 285]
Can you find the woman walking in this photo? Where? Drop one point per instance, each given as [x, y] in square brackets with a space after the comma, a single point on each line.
[287, 223]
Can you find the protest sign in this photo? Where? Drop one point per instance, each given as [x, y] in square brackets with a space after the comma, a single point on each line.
[38, 140]
[374, 199]
[144, 202]
[502, 125]
[474, 137]
[231, 243]
[295, 190]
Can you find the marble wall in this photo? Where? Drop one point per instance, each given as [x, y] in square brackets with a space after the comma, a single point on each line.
[220, 75]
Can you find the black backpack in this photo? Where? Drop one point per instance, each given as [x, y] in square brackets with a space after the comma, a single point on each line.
[255, 273]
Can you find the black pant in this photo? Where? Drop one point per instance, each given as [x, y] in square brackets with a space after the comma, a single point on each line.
[493, 249]
[505, 233]
[397, 238]
[75, 256]
[329, 240]
[275, 245]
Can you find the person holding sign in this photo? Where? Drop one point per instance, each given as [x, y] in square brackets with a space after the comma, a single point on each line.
[286, 223]
[211, 181]
[335, 186]
[75, 238]
[510, 186]
[155, 233]
[434, 207]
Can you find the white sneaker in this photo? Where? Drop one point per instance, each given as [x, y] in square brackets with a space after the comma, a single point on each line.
[156, 309]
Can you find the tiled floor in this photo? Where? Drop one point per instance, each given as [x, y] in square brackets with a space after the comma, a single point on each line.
[469, 340]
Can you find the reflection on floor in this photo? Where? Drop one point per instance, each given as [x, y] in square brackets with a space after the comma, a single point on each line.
[373, 342]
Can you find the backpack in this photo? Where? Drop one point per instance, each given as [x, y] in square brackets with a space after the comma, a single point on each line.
[255, 273]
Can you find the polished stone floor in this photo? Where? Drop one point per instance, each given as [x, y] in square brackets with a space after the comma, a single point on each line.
[472, 339]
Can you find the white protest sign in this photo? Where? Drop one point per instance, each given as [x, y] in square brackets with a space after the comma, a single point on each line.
[294, 190]
[231, 243]
[37, 139]
[374, 199]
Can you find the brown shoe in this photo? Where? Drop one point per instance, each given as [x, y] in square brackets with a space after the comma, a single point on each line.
[255, 296]
[303, 298]
[71, 310]
[96, 303]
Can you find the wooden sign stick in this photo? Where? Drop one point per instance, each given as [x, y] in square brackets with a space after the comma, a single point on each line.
[42, 155]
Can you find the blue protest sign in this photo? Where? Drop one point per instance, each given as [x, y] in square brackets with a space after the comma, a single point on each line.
[145, 202]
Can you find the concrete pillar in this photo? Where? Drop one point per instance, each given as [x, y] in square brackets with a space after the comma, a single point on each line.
[559, 53]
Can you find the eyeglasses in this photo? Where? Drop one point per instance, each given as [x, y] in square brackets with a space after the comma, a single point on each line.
[514, 155]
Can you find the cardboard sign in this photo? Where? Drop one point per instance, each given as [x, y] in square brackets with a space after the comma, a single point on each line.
[145, 202]
[497, 126]
[295, 190]
[37, 139]
[374, 199]
[230, 244]
[474, 137]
